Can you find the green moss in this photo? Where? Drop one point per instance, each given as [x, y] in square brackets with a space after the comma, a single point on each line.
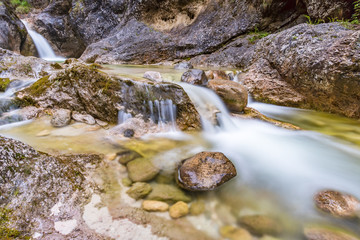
[4, 82]
[39, 86]
[21, 6]
[5, 231]
[257, 35]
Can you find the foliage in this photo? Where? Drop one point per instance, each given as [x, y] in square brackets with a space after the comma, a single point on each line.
[21, 6]
[356, 16]
[257, 35]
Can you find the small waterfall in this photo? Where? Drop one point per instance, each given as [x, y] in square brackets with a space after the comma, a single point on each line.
[42, 45]
[163, 112]
[123, 116]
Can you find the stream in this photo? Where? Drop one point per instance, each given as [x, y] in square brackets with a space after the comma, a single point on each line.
[279, 170]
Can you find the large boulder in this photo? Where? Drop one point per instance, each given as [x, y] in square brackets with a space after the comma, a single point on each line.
[324, 9]
[85, 89]
[13, 34]
[312, 66]
[205, 171]
[233, 94]
[328, 233]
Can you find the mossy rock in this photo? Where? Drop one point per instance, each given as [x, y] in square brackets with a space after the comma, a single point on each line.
[168, 193]
[4, 83]
[261, 225]
[139, 190]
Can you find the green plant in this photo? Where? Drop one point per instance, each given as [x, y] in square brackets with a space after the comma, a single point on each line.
[356, 16]
[315, 22]
[21, 6]
[257, 35]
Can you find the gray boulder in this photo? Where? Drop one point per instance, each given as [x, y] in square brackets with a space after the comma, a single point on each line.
[61, 118]
[195, 77]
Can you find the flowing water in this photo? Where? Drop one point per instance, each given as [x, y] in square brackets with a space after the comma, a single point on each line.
[279, 170]
[42, 45]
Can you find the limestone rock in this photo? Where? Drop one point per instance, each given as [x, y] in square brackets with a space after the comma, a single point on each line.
[234, 233]
[216, 75]
[195, 77]
[85, 118]
[141, 170]
[327, 233]
[233, 94]
[167, 193]
[261, 225]
[154, 206]
[337, 203]
[139, 190]
[61, 118]
[178, 210]
[154, 76]
[205, 171]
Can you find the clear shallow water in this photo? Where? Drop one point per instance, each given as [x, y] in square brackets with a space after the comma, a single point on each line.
[279, 170]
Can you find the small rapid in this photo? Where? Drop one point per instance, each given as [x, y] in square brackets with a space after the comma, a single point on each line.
[291, 164]
[42, 45]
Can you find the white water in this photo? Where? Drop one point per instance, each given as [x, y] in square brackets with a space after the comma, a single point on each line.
[164, 113]
[42, 45]
[292, 164]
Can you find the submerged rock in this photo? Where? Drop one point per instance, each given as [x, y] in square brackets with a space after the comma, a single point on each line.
[154, 206]
[205, 171]
[261, 225]
[233, 94]
[327, 233]
[197, 208]
[141, 170]
[167, 193]
[127, 155]
[234, 233]
[61, 118]
[87, 90]
[195, 77]
[178, 210]
[139, 190]
[337, 203]
[129, 133]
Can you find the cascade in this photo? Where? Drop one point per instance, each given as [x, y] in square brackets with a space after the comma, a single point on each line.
[292, 164]
[42, 45]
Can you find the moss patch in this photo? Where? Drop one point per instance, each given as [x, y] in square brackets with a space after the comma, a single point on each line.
[4, 82]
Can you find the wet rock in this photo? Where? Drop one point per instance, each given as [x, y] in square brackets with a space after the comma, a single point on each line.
[154, 76]
[43, 133]
[101, 123]
[167, 193]
[183, 65]
[126, 182]
[129, 133]
[327, 233]
[141, 170]
[195, 77]
[154, 206]
[4, 82]
[13, 33]
[205, 171]
[197, 208]
[139, 190]
[216, 75]
[261, 225]
[127, 155]
[337, 203]
[178, 210]
[234, 233]
[165, 178]
[61, 118]
[233, 94]
[80, 83]
[84, 118]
